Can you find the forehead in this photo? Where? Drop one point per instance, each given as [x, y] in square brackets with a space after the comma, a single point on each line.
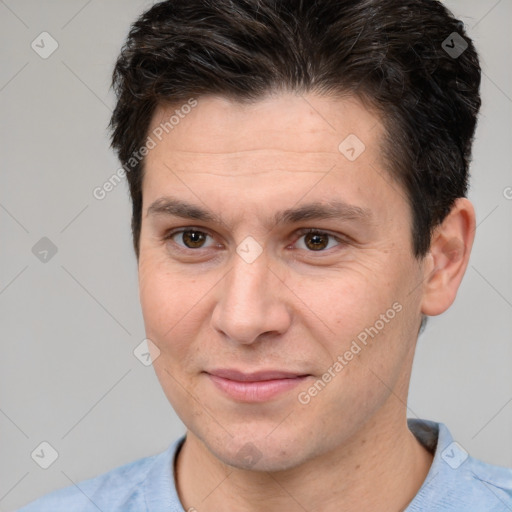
[297, 123]
[272, 154]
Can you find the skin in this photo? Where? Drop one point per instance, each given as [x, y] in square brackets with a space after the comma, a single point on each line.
[293, 308]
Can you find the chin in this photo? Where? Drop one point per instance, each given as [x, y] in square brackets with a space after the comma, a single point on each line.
[266, 454]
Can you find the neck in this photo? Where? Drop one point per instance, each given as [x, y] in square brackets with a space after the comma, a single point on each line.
[381, 468]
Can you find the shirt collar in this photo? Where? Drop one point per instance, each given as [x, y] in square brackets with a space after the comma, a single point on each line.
[160, 486]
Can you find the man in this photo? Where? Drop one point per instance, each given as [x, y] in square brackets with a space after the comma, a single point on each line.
[298, 173]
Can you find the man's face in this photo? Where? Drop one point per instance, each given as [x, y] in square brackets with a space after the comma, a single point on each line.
[249, 311]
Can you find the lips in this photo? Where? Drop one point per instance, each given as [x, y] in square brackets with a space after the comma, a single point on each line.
[258, 386]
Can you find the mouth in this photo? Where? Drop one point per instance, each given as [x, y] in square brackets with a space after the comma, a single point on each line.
[258, 386]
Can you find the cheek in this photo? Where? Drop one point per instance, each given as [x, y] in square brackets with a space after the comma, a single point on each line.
[171, 309]
[165, 299]
[346, 301]
[175, 307]
[368, 316]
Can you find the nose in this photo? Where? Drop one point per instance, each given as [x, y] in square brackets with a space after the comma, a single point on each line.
[251, 303]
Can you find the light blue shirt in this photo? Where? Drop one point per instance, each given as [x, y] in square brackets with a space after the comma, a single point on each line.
[456, 482]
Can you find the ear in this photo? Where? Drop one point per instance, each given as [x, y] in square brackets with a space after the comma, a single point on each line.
[448, 258]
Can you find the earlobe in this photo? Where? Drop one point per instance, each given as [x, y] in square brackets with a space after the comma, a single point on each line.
[449, 254]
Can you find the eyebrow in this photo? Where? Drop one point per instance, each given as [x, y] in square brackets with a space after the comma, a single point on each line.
[333, 209]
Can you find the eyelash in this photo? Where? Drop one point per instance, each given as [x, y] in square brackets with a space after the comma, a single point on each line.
[299, 233]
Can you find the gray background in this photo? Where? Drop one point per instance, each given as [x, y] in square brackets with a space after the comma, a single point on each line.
[69, 326]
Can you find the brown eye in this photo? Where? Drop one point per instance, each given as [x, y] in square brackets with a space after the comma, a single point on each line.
[316, 241]
[189, 238]
[193, 239]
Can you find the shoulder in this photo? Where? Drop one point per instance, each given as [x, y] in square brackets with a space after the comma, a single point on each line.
[123, 488]
[457, 481]
[489, 484]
